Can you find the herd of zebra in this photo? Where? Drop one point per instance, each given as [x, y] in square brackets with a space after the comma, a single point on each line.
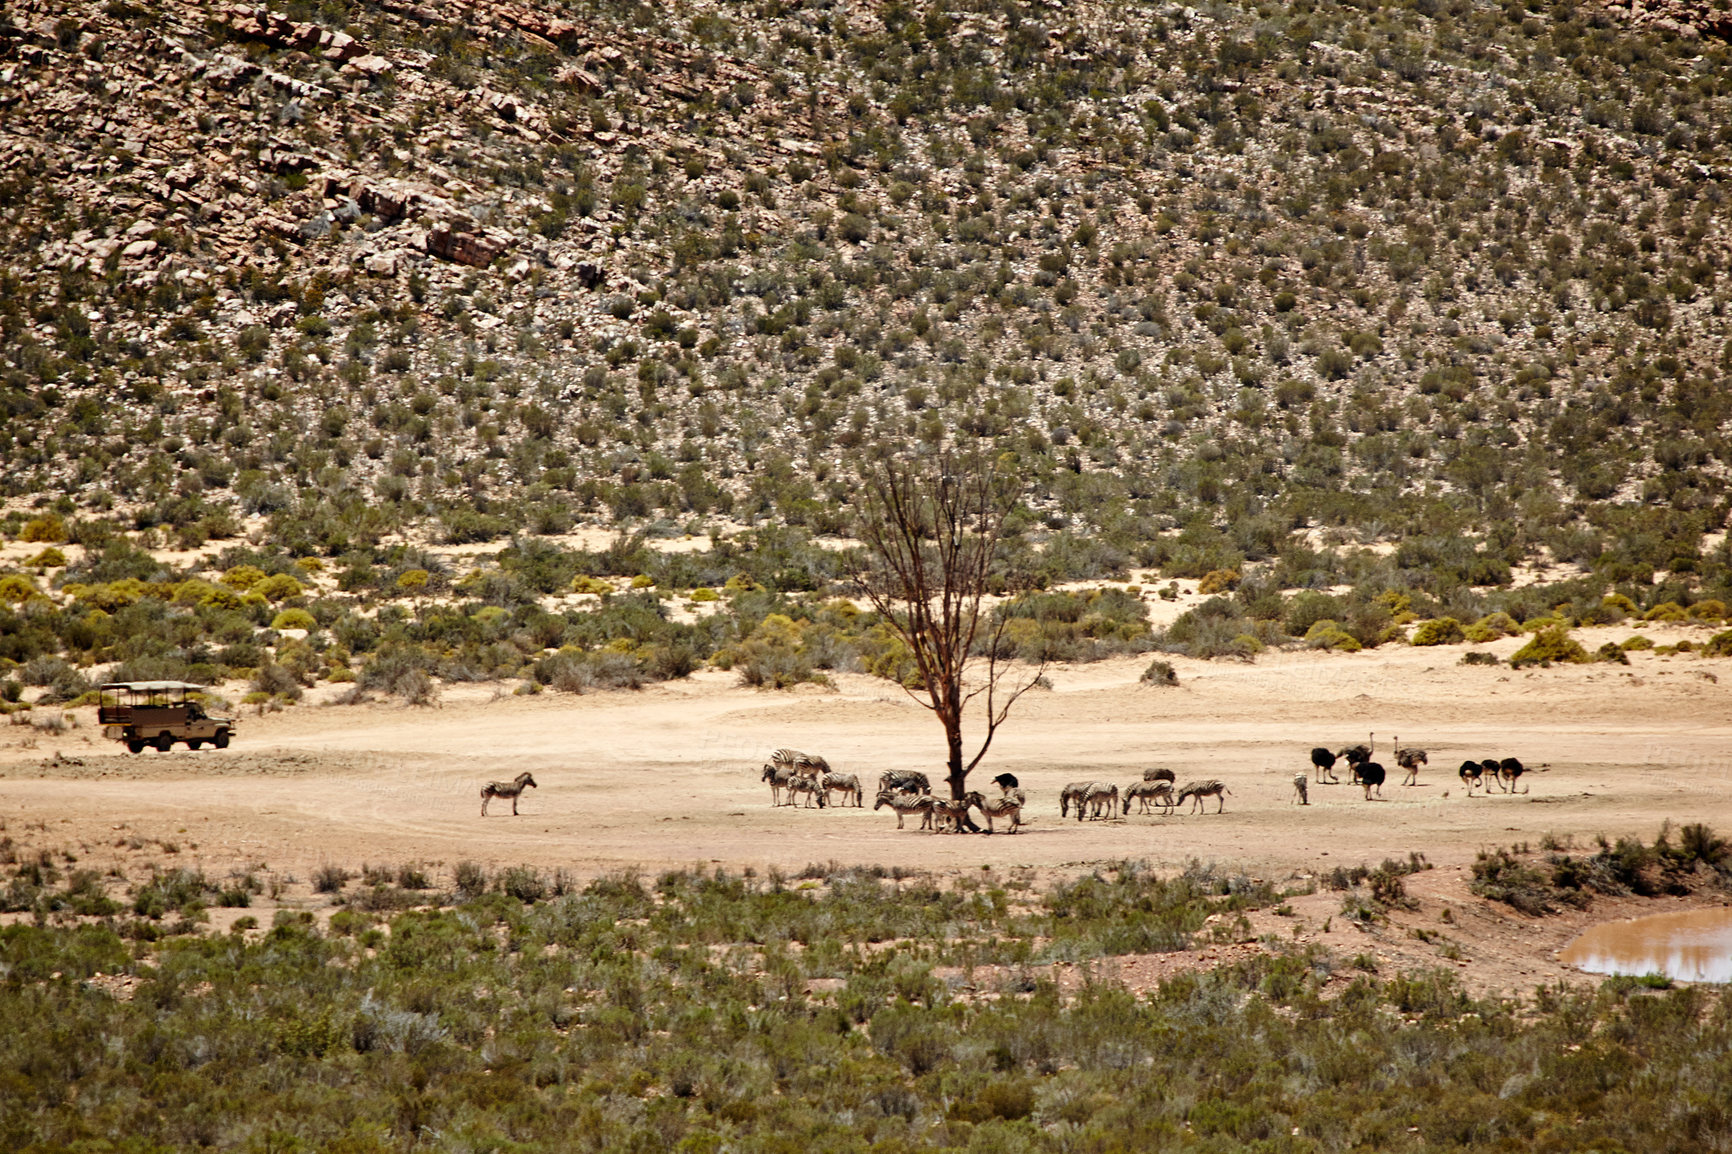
[1503, 773]
[793, 776]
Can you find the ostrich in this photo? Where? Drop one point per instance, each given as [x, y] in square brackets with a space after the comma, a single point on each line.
[1358, 755]
[1410, 760]
[1299, 788]
[512, 789]
[1371, 777]
[1159, 774]
[1470, 775]
[1509, 769]
[1490, 768]
[904, 781]
[1324, 761]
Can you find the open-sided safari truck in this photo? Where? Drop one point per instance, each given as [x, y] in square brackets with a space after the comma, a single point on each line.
[159, 713]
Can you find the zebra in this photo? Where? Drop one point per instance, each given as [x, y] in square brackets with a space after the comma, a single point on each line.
[1010, 788]
[778, 776]
[847, 784]
[1410, 760]
[1147, 795]
[512, 789]
[948, 814]
[1198, 790]
[905, 804]
[803, 764]
[1070, 795]
[1084, 795]
[1006, 806]
[800, 783]
[1159, 774]
[904, 781]
[1300, 782]
[1102, 796]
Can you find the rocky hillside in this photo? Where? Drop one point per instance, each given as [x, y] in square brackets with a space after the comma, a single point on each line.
[1442, 270]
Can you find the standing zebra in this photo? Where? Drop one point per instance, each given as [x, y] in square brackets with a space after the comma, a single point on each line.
[904, 781]
[1299, 788]
[778, 776]
[1006, 806]
[804, 764]
[1198, 790]
[512, 789]
[1147, 795]
[846, 784]
[906, 803]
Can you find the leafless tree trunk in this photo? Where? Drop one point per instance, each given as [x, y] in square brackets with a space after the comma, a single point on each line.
[931, 527]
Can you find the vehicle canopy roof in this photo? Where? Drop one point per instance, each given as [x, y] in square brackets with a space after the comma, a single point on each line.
[152, 686]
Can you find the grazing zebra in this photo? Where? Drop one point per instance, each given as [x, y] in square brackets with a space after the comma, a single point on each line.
[1103, 799]
[948, 814]
[1410, 760]
[803, 764]
[778, 776]
[904, 781]
[1198, 790]
[1300, 782]
[1471, 772]
[1508, 770]
[1007, 806]
[800, 783]
[1324, 760]
[512, 789]
[1009, 787]
[905, 804]
[1158, 774]
[1070, 795]
[1148, 794]
[847, 784]
[1371, 777]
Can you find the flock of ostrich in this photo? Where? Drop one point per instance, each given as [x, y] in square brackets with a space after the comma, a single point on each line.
[794, 777]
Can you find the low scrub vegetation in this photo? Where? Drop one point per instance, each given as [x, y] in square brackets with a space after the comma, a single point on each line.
[858, 1008]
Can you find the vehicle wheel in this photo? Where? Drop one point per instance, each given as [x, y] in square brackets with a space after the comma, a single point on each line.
[164, 743]
[222, 740]
[194, 743]
[135, 744]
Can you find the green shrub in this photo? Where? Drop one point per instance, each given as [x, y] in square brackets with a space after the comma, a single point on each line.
[1719, 645]
[1667, 611]
[1439, 631]
[1218, 581]
[1549, 645]
[294, 619]
[1327, 634]
[1160, 673]
[1611, 652]
[1480, 657]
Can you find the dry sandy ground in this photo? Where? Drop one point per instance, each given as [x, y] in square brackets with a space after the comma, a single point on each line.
[669, 777]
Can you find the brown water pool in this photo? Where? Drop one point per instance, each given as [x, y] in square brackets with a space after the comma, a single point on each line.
[1693, 946]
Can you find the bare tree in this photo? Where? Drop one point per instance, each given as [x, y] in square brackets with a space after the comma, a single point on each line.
[932, 527]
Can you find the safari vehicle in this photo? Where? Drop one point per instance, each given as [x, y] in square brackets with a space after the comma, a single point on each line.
[159, 713]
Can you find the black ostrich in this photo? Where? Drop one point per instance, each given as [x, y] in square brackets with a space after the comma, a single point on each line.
[1470, 775]
[1324, 760]
[1509, 769]
[1371, 777]
[1358, 756]
[1158, 774]
[1490, 767]
[1005, 781]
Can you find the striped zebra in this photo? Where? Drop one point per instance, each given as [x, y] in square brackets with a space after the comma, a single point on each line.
[1196, 791]
[906, 803]
[512, 789]
[1103, 799]
[802, 764]
[778, 776]
[904, 781]
[949, 813]
[799, 783]
[1148, 794]
[846, 784]
[1007, 806]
